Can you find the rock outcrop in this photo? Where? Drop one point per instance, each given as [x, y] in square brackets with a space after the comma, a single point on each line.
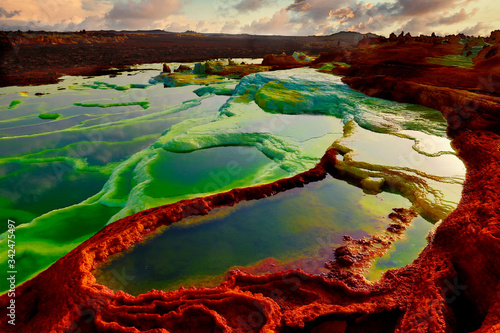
[183, 69]
[281, 61]
[166, 68]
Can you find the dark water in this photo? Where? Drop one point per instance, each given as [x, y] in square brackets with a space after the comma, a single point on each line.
[291, 225]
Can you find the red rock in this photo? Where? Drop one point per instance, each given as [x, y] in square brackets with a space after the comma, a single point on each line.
[488, 60]
[166, 69]
[494, 37]
[183, 68]
[335, 55]
[281, 61]
[331, 327]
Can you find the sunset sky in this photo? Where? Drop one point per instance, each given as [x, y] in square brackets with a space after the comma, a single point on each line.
[280, 17]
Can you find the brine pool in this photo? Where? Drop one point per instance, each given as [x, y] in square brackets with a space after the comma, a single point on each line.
[119, 145]
[303, 223]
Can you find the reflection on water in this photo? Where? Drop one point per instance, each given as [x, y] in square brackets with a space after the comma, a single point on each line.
[199, 250]
[205, 171]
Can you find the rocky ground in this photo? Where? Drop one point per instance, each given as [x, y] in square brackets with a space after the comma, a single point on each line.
[453, 286]
[41, 58]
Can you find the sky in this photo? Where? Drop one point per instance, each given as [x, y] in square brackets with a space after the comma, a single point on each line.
[266, 17]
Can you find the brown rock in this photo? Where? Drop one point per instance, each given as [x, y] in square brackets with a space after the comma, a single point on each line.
[281, 61]
[183, 69]
[166, 69]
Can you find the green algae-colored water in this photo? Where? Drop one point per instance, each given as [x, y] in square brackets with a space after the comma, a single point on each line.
[205, 171]
[124, 144]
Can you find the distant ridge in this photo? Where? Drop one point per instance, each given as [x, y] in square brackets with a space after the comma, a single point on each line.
[346, 36]
[351, 36]
[156, 31]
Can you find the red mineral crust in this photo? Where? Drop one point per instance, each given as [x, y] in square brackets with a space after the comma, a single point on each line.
[453, 286]
[281, 61]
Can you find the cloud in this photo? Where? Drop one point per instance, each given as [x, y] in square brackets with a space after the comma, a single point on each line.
[420, 7]
[178, 27]
[342, 12]
[181, 23]
[141, 15]
[23, 25]
[278, 24]
[373, 24]
[6, 14]
[93, 22]
[478, 29]
[410, 8]
[249, 5]
[408, 15]
[230, 26]
[95, 5]
[320, 17]
[67, 15]
[299, 6]
[452, 19]
[316, 10]
[414, 26]
[286, 17]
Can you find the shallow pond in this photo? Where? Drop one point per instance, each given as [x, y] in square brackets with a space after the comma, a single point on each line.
[124, 144]
[306, 222]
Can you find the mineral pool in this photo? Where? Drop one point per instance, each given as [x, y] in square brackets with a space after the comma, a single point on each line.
[85, 152]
